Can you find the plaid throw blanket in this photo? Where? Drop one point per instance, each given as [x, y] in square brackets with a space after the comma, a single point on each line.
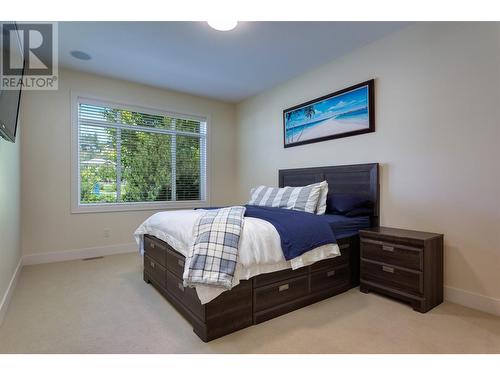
[212, 258]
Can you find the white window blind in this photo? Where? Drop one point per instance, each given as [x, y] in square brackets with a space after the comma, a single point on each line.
[128, 156]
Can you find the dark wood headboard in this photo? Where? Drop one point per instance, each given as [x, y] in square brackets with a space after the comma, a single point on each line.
[356, 178]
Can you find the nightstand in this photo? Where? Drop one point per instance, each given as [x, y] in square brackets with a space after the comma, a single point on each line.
[404, 264]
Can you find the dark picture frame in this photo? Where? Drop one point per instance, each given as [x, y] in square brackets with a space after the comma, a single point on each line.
[356, 112]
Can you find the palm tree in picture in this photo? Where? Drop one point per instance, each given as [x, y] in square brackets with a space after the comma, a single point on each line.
[309, 113]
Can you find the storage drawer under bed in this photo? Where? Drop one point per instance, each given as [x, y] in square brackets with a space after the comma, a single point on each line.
[155, 249]
[239, 301]
[175, 262]
[184, 294]
[155, 271]
[278, 293]
[330, 278]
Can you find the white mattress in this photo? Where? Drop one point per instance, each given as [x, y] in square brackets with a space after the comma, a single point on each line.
[259, 247]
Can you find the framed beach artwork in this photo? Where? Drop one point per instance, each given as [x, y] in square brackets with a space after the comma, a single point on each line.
[344, 113]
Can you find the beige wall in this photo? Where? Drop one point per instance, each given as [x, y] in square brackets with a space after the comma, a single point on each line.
[437, 138]
[48, 225]
[10, 212]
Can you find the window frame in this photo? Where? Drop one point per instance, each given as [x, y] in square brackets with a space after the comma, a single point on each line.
[77, 207]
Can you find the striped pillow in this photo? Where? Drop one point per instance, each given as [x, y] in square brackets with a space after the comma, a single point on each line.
[301, 198]
[321, 208]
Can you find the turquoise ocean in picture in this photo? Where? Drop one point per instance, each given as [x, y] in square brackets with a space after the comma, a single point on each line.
[343, 113]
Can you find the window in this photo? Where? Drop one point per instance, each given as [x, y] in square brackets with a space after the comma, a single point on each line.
[134, 158]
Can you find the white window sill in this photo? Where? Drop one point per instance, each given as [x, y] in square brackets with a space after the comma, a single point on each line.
[132, 206]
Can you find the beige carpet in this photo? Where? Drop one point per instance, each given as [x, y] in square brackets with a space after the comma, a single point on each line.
[103, 306]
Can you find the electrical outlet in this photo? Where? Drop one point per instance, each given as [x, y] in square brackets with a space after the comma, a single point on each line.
[107, 233]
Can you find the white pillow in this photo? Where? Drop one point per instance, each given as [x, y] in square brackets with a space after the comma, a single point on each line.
[321, 208]
[299, 198]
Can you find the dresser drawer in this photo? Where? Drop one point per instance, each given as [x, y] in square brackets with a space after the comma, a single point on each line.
[392, 253]
[155, 271]
[402, 279]
[184, 294]
[276, 294]
[175, 263]
[274, 277]
[330, 278]
[155, 249]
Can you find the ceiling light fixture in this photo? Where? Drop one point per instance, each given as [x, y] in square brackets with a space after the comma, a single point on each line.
[80, 55]
[223, 25]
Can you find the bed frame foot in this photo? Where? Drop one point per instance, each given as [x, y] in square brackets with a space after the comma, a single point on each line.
[201, 332]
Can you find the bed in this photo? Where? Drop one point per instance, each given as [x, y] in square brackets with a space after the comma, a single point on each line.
[271, 294]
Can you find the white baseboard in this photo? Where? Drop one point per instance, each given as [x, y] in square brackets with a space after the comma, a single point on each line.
[474, 301]
[61, 256]
[4, 304]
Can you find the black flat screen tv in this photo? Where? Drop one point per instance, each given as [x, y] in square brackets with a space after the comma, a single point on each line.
[10, 99]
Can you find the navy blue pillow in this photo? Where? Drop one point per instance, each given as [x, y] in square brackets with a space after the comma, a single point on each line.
[343, 203]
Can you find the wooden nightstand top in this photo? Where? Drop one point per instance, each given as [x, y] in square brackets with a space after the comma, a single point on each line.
[399, 233]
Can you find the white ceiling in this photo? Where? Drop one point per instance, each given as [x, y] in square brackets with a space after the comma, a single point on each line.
[193, 58]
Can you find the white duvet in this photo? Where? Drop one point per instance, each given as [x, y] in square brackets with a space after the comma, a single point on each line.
[259, 247]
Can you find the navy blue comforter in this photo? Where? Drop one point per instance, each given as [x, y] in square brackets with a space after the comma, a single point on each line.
[299, 231]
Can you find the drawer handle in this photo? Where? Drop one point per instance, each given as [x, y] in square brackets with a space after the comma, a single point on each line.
[152, 264]
[283, 287]
[387, 248]
[153, 245]
[344, 246]
[180, 262]
[330, 273]
[388, 269]
[181, 287]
